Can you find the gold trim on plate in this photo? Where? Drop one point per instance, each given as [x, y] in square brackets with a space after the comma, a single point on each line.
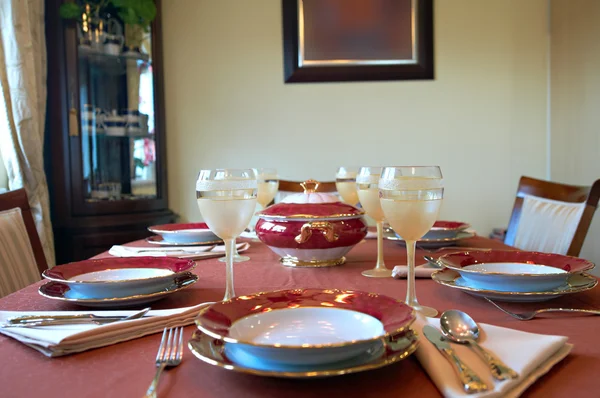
[211, 351]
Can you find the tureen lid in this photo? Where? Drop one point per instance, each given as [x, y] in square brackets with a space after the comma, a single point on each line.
[311, 205]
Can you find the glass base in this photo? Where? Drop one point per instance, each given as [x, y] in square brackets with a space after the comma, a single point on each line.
[236, 259]
[425, 311]
[377, 273]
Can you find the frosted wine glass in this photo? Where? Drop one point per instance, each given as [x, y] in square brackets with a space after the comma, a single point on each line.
[411, 197]
[227, 199]
[345, 183]
[268, 184]
[367, 182]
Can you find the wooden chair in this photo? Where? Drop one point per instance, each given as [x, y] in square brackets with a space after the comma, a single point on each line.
[288, 187]
[533, 189]
[295, 186]
[18, 198]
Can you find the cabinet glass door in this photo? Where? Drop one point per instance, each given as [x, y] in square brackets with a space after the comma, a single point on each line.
[116, 88]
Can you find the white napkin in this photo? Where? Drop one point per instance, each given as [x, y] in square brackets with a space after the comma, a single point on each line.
[189, 252]
[371, 235]
[54, 341]
[421, 271]
[530, 355]
[249, 235]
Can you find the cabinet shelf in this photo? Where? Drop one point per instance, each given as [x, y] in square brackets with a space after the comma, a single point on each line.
[110, 63]
[105, 189]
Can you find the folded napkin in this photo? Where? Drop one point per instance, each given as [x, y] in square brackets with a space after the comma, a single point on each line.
[249, 235]
[189, 252]
[530, 355]
[55, 341]
[421, 271]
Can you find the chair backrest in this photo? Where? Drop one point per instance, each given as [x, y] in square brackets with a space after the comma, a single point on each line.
[18, 198]
[296, 186]
[548, 216]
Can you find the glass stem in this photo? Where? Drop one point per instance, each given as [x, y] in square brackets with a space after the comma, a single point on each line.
[229, 253]
[411, 294]
[380, 262]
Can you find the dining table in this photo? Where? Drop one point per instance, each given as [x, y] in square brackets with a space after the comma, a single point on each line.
[126, 369]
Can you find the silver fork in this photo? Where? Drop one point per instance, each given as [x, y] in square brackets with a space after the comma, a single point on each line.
[455, 248]
[169, 354]
[525, 316]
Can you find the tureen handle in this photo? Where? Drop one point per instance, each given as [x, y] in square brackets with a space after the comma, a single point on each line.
[325, 227]
[306, 185]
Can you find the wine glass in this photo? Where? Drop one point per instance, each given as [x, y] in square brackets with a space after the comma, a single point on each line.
[268, 184]
[411, 197]
[345, 183]
[367, 182]
[227, 199]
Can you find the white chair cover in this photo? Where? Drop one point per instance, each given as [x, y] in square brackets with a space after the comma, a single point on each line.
[18, 268]
[547, 225]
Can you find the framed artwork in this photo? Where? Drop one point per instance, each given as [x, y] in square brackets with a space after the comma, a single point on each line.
[357, 40]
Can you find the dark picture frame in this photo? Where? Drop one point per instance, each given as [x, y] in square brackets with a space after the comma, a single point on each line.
[300, 19]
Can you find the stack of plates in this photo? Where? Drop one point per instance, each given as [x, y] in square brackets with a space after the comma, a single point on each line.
[183, 234]
[515, 275]
[118, 282]
[443, 233]
[304, 333]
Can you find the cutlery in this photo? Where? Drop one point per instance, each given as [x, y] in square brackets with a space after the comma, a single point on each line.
[169, 354]
[433, 262]
[469, 379]
[455, 248]
[52, 320]
[460, 328]
[525, 316]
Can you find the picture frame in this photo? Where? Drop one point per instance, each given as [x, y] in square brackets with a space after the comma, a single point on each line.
[357, 40]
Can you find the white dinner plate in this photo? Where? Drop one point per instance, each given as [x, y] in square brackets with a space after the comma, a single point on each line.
[218, 353]
[118, 277]
[514, 270]
[187, 233]
[435, 243]
[63, 292]
[576, 283]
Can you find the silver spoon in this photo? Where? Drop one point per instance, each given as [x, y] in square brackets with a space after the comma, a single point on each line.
[460, 328]
[432, 261]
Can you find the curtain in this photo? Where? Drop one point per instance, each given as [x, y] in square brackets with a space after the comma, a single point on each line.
[23, 107]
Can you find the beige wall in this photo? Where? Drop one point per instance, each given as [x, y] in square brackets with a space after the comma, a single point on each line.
[483, 118]
[575, 110]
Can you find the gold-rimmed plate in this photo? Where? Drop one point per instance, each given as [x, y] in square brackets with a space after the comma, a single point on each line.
[393, 349]
[62, 292]
[576, 283]
[434, 243]
[159, 240]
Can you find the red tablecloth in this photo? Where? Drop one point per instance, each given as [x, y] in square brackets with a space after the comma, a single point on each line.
[126, 369]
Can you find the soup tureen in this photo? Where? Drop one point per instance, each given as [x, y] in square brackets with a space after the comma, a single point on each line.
[311, 229]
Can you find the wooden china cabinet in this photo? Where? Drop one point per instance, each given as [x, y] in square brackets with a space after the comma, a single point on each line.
[105, 135]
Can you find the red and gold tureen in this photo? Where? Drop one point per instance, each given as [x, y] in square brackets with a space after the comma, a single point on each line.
[311, 229]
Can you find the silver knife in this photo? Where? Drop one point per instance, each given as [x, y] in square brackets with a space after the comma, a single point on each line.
[50, 320]
[469, 379]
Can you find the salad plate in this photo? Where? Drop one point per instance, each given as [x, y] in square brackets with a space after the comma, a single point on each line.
[513, 270]
[216, 352]
[576, 283]
[305, 326]
[184, 232]
[160, 241]
[433, 243]
[63, 292]
[119, 277]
